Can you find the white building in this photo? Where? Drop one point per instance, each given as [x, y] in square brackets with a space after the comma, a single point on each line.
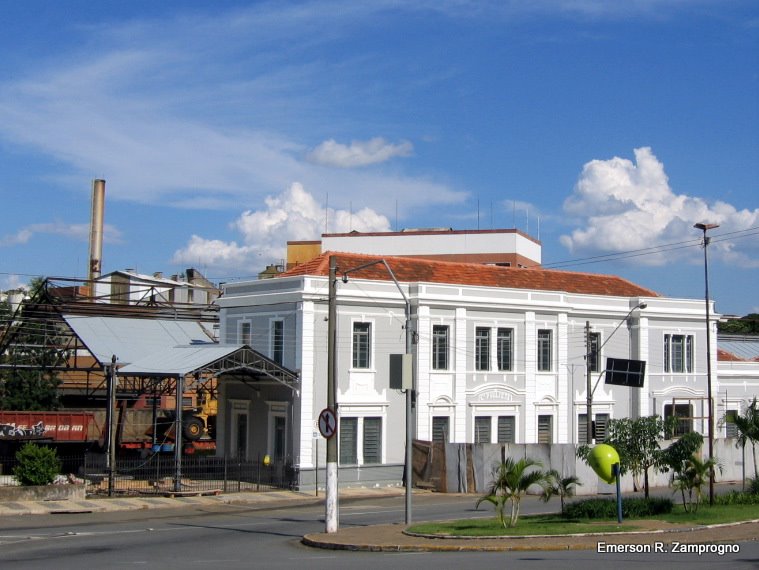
[504, 247]
[499, 356]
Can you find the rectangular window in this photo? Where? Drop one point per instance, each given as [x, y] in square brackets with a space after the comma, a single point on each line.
[277, 341]
[482, 429]
[348, 439]
[362, 345]
[245, 333]
[678, 353]
[482, 348]
[372, 440]
[506, 429]
[440, 347]
[440, 429]
[582, 429]
[602, 421]
[689, 353]
[600, 429]
[280, 429]
[505, 349]
[545, 429]
[594, 340]
[667, 344]
[545, 350]
[731, 429]
[684, 415]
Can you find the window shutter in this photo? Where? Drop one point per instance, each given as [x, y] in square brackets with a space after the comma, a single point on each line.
[506, 426]
[348, 430]
[482, 429]
[545, 429]
[372, 440]
[440, 429]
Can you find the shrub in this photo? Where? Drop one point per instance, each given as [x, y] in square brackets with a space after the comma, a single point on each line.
[36, 465]
[633, 507]
[753, 486]
[737, 498]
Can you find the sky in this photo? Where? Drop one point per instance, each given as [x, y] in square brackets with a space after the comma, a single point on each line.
[224, 129]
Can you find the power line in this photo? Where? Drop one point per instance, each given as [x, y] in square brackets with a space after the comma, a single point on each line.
[740, 234]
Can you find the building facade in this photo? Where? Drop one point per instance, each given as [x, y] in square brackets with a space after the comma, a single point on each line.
[500, 355]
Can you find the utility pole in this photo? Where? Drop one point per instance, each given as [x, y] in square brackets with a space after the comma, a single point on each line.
[705, 228]
[330, 504]
[589, 386]
[110, 421]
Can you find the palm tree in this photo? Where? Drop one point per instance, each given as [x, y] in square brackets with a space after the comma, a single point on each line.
[748, 430]
[692, 477]
[511, 479]
[562, 486]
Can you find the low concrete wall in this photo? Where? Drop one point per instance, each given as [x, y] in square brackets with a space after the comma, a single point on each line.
[42, 493]
[468, 468]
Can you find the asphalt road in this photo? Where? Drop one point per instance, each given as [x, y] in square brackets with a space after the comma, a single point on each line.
[228, 536]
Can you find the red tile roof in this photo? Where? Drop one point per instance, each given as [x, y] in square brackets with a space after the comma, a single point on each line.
[725, 356]
[409, 269]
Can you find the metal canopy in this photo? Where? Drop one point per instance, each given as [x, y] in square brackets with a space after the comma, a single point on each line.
[210, 360]
[133, 339]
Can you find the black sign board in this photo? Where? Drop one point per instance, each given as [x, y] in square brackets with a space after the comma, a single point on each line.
[622, 372]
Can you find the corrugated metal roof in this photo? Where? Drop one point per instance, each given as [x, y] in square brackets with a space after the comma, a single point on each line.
[134, 339]
[743, 347]
[179, 360]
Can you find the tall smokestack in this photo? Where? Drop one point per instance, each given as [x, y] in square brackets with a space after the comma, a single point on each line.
[96, 228]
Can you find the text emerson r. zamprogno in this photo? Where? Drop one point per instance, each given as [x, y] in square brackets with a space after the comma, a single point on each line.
[674, 547]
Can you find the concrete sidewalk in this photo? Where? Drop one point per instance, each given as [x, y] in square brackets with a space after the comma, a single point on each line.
[262, 500]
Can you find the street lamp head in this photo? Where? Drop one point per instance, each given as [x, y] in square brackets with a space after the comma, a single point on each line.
[705, 227]
[345, 277]
[642, 305]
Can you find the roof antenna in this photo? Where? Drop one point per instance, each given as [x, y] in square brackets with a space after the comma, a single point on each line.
[326, 215]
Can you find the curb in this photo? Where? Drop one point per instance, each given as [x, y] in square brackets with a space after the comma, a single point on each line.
[429, 543]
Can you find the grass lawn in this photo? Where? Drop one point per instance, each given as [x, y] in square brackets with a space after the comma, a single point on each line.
[555, 524]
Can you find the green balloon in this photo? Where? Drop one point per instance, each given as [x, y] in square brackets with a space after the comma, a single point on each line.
[602, 459]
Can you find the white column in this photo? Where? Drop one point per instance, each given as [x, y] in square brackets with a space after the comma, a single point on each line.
[530, 385]
[305, 321]
[562, 348]
[423, 358]
[459, 351]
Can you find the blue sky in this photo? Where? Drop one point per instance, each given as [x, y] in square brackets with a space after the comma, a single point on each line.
[224, 129]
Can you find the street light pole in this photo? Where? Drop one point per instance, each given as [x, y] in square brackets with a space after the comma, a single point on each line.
[589, 368]
[408, 471]
[330, 503]
[704, 228]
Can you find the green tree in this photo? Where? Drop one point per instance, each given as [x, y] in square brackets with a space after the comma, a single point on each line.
[562, 486]
[30, 383]
[637, 442]
[511, 479]
[748, 325]
[747, 425]
[676, 458]
[692, 477]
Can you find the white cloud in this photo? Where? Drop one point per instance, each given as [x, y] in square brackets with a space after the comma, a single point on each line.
[79, 232]
[207, 112]
[358, 153]
[13, 283]
[293, 215]
[624, 206]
